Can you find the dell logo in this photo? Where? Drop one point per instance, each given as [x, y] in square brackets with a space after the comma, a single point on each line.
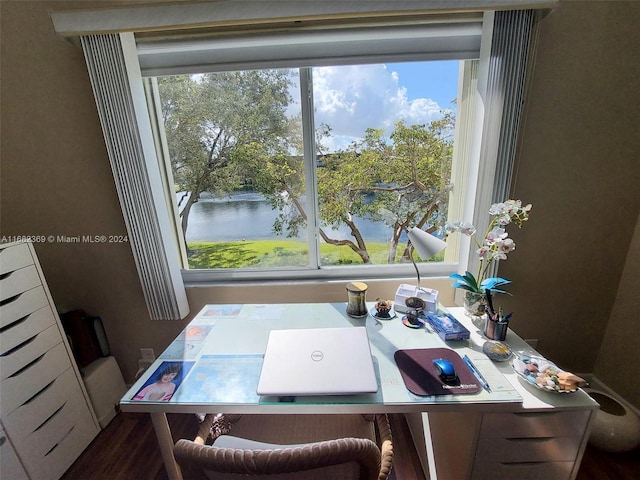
[317, 356]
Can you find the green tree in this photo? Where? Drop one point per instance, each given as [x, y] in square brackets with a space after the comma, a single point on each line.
[209, 119]
[403, 183]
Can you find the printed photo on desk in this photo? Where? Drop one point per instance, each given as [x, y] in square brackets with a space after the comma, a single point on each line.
[163, 383]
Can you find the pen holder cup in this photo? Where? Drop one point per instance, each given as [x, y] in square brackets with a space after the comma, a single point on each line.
[494, 330]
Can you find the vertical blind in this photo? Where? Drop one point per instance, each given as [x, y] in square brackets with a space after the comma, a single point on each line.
[510, 63]
[157, 266]
[513, 46]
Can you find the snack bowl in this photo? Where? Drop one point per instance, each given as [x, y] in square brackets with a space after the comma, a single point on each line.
[545, 375]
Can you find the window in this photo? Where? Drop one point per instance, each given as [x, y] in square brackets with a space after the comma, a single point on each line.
[299, 34]
[248, 195]
[302, 193]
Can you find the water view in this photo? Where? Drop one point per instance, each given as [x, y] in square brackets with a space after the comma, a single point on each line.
[249, 216]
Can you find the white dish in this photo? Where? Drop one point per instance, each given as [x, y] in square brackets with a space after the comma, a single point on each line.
[542, 374]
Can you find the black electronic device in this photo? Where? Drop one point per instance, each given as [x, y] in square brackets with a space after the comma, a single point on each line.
[86, 336]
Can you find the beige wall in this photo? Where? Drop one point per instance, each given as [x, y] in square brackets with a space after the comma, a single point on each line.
[578, 166]
[618, 357]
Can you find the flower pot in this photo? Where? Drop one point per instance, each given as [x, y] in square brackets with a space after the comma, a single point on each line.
[615, 427]
[474, 303]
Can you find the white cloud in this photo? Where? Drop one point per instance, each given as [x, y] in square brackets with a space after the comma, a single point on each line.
[353, 98]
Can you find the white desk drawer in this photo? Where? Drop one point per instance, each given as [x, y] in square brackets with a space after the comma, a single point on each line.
[24, 304]
[523, 471]
[18, 389]
[534, 424]
[28, 417]
[13, 258]
[12, 469]
[19, 281]
[55, 446]
[26, 329]
[541, 449]
[25, 358]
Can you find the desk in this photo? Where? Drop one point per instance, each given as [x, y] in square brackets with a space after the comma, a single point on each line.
[222, 350]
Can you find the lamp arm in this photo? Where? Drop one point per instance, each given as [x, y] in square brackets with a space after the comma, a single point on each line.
[416, 267]
[426, 245]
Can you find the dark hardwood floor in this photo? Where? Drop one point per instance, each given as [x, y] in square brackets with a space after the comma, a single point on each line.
[127, 449]
[599, 465]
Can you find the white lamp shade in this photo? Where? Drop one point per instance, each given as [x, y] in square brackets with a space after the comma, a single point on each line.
[425, 244]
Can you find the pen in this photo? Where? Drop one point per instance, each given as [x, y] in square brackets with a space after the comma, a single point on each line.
[489, 303]
[477, 373]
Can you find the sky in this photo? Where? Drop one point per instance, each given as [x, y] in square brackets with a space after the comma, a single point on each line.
[353, 98]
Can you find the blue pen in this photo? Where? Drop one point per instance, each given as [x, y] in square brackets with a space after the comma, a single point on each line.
[477, 373]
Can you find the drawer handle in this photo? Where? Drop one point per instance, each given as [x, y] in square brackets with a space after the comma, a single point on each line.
[535, 414]
[50, 417]
[61, 440]
[9, 299]
[28, 366]
[6, 275]
[21, 345]
[530, 439]
[520, 464]
[40, 392]
[15, 323]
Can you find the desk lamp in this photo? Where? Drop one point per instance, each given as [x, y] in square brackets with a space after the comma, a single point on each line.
[427, 246]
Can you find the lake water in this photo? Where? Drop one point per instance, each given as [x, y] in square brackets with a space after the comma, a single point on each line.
[249, 216]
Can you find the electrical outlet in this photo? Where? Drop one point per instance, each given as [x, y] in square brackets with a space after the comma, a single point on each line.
[533, 342]
[147, 354]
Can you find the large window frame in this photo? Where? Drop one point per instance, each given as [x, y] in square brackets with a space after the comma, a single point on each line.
[457, 37]
[315, 270]
[486, 144]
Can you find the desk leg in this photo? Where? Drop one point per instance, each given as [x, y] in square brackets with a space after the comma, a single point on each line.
[416, 423]
[450, 440]
[165, 441]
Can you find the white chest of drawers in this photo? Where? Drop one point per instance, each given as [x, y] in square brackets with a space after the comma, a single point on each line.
[530, 445]
[543, 439]
[44, 408]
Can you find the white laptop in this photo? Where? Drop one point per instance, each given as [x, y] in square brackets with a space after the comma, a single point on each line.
[317, 361]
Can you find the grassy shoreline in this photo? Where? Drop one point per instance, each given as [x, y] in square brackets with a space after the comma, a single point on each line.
[275, 253]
